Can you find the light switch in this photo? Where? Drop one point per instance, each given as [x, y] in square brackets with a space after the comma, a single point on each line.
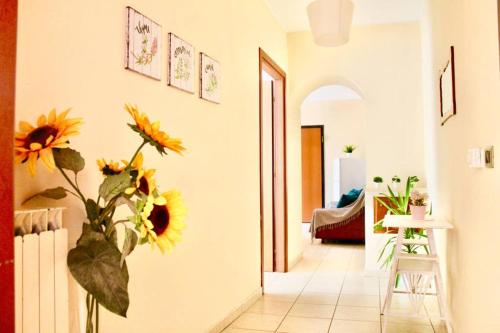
[480, 157]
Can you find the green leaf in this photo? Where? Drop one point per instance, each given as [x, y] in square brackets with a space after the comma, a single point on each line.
[89, 235]
[96, 267]
[129, 244]
[114, 185]
[92, 209]
[55, 193]
[69, 159]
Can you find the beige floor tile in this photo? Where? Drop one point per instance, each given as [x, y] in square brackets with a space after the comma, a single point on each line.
[317, 298]
[280, 297]
[357, 313]
[408, 328]
[241, 330]
[312, 310]
[304, 325]
[270, 307]
[347, 326]
[257, 321]
[359, 300]
[406, 316]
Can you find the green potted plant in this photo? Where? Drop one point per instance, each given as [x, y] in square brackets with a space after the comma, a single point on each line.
[395, 183]
[349, 149]
[399, 204]
[418, 205]
[377, 180]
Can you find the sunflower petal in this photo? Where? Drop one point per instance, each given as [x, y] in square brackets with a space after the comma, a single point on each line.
[42, 120]
[52, 117]
[25, 126]
[48, 158]
[32, 158]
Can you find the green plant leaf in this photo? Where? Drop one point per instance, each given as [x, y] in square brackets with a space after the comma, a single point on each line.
[114, 185]
[55, 193]
[92, 209]
[129, 243]
[89, 234]
[69, 159]
[96, 267]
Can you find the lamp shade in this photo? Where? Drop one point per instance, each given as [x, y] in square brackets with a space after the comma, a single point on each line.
[330, 21]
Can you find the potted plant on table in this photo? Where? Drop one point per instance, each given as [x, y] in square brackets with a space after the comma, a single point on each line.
[418, 205]
[377, 180]
[395, 183]
[98, 262]
[348, 150]
[399, 204]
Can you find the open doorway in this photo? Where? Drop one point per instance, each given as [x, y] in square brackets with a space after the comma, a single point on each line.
[273, 190]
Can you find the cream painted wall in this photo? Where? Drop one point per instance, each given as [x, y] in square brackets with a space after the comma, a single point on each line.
[468, 197]
[383, 64]
[339, 118]
[70, 55]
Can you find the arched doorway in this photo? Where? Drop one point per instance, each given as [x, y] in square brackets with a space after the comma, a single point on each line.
[332, 116]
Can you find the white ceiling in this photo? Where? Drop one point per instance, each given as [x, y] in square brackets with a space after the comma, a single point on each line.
[292, 15]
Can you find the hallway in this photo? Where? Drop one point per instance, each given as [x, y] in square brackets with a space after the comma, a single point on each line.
[327, 292]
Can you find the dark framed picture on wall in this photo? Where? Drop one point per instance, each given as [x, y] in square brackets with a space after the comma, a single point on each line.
[447, 89]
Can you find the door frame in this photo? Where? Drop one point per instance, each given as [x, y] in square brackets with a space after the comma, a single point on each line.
[322, 128]
[8, 44]
[266, 61]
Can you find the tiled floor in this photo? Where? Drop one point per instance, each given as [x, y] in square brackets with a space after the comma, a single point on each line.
[327, 292]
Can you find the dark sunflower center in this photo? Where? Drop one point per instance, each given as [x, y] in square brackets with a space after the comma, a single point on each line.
[40, 135]
[143, 185]
[160, 219]
[107, 171]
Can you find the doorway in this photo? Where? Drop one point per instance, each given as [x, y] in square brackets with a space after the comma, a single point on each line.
[273, 188]
[313, 172]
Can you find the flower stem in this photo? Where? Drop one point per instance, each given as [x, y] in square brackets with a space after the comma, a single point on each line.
[73, 185]
[135, 154]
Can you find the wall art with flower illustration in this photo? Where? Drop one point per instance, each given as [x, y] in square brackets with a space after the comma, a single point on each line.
[209, 78]
[143, 44]
[180, 64]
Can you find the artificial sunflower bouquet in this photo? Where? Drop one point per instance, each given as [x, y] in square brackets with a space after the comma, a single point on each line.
[98, 262]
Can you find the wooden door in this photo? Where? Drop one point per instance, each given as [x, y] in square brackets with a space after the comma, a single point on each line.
[312, 170]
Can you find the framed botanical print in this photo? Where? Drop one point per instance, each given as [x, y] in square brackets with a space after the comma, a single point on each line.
[180, 64]
[143, 44]
[209, 78]
[447, 89]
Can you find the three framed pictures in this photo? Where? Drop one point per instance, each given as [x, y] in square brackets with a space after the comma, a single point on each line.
[143, 54]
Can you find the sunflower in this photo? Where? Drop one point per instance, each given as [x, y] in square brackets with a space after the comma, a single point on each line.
[32, 143]
[144, 181]
[162, 220]
[151, 132]
[110, 168]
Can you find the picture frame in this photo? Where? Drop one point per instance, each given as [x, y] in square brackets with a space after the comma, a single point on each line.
[209, 78]
[181, 64]
[447, 89]
[143, 44]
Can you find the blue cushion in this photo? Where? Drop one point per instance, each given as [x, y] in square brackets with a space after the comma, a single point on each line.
[349, 198]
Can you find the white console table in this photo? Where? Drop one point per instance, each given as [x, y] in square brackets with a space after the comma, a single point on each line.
[417, 271]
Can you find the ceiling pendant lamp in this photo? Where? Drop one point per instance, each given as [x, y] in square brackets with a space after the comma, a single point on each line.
[330, 21]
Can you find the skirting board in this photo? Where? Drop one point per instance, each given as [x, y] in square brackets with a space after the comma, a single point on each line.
[295, 261]
[235, 313]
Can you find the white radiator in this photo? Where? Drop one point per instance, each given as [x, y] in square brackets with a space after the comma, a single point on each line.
[41, 274]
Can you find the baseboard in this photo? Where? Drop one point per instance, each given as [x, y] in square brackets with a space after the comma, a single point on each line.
[295, 261]
[236, 312]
